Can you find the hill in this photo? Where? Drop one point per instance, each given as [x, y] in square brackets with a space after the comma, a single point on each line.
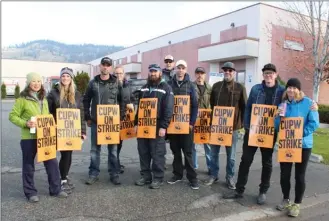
[48, 50]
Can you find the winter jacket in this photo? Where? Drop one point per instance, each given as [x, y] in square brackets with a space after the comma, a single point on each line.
[126, 96]
[167, 74]
[301, 107]
[257, 95]
[203, 99]
[25, 107]
[230, 94]
[165, 102]
[99, 92]
[53, 103]
[186, 88]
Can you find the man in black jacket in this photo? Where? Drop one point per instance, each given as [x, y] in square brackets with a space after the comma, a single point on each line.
[181, 85]
[155, 149]
[168, 71]
[126, 100]
[103, 89]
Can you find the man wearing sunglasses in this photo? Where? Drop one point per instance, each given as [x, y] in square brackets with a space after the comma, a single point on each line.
[168, 71]
[227, 93]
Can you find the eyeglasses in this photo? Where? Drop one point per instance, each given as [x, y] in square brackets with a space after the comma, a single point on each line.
[268, 73]
[120, 73]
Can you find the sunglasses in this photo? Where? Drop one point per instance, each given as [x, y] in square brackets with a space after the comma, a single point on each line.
[228, 70]
[63, 69]
[168, 61]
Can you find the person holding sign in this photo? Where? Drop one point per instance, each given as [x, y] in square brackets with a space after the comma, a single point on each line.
[31, 103]
[294, 119]
[227, 93]
[126, 96]
[102, 90]
[153, 116]
[203, 90]
[65, 95]
[181, 128]
[269, 92]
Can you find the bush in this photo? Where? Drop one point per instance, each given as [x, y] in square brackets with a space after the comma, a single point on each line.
[81, 81]
[281, 81]
[3, 91]
[324, 113]
[17, 91]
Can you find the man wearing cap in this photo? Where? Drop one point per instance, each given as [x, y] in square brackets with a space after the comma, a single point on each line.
[168, 71]
[227, 93]
[103, 89]
[154, 150]
[203, 92]
[181, 85]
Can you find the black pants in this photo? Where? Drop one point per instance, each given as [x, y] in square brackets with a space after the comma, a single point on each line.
[300, 169]
[152, 150]
[179, 143]
[65, 163]
[29, 150]
[246, 161]
[118, 151]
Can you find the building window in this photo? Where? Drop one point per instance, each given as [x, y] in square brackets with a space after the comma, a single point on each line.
[133, 76]
[240, 77]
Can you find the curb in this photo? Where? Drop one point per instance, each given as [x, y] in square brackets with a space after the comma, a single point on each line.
[316, 158]
[258, 214]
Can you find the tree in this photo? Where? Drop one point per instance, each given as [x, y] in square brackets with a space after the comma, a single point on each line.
[17, 91]
[313, 62]
[3, 91]
[81, 81]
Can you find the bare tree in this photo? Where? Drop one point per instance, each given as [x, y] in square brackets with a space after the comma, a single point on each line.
[318, 28]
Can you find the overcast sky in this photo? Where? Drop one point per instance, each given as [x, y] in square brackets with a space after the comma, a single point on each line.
[109, 23]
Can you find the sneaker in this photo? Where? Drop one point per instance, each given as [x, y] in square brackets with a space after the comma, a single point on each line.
[91, 180]
[233, 195]
[294, 210]
[174, 180]
[62, 194]
[33, 199]
[70, 183]
[285, 204]
[261, 199]
[122, 169]
[66, 188]
[156, 184]
[230, 183]
[211, 181]
[115, 181]
[142, 182]
[195, 185]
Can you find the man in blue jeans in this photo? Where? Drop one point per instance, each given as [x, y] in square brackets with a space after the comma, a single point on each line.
[230, 94]
[103, 89]
[203, 90]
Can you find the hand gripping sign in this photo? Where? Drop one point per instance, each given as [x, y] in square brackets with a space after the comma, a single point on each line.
[108, 124]
[180, 121]
[46, 138]
[147, 118]
[127, 130]
[68, 129]
[261, 133]
[221, 131]
[202, 126]
[291, 140]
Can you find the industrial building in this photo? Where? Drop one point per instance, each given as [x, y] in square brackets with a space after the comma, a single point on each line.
[250, 37]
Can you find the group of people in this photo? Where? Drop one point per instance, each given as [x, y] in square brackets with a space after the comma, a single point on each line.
[164, 85]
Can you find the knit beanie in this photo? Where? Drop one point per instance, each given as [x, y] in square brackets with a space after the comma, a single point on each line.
[68, 71]
[294, 82]
[32, 76]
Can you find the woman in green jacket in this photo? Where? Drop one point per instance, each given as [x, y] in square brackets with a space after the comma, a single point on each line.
[32, 102]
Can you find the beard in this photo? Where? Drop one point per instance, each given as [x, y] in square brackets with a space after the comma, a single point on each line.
[105, 72]
[153, 80]
[228, 79]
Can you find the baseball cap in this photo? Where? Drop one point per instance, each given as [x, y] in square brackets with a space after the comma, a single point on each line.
[269, 67]
[154, 67]
[229, 65]
[169, 57]
[181, 62]
[200, 69]
[106, 60]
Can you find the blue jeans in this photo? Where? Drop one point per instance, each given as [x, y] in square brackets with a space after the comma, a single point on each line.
[112, 163]
[230, 158]
[207, 151]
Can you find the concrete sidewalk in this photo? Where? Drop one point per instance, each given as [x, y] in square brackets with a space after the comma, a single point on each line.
[103, 201]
